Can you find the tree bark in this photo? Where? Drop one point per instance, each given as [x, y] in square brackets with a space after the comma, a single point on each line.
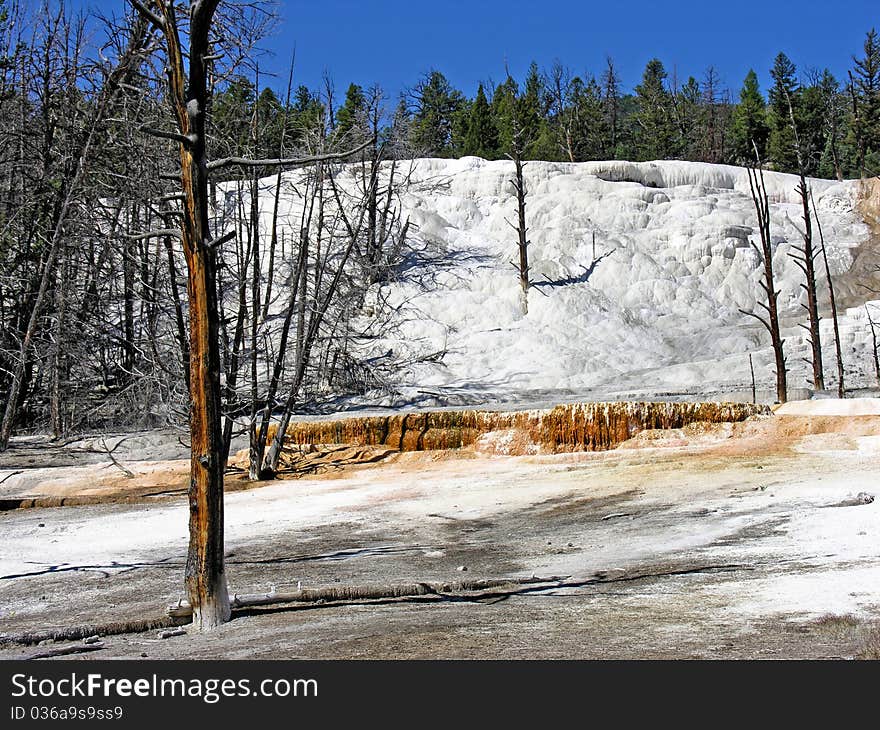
[205, 573]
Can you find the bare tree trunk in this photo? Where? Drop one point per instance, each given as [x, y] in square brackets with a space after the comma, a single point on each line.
[56, 407]
[374, 244]
[874, 343]
[316, 318]
[835, 155]
[611, 100]
[182, 342]
[522, 240]
[256, 466]
[805, 257]
[806, 261]
[187, 69]
[273, 245]
[271, 460]
[841, 387]
[257, 455]
[521, 229]
[754, 387]
[205, 573]
[232, 354]
[254, 470]
[771, 322]
[273, 240]
[128, 297]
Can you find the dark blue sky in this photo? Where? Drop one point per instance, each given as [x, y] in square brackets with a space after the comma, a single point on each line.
[393, 42]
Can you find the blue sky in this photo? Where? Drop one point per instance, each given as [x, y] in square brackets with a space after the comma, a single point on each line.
[393, 42]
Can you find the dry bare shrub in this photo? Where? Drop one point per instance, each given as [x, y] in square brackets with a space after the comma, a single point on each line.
[871, 646]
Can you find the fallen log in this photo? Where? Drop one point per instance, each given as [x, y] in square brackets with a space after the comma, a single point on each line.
[183, 610]
[66, 650]
[75, 633]
[180, 613]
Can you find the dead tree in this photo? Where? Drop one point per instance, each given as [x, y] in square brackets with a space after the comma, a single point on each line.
[383, 215]
[355, 229]
[805, 259]
[188, 96]
[765, 252]
[233, 346]
[874, 352]
[273, 236]
[324, 292]
[519, 188]
[70, 191]
[611, 104]
[187, 85]
[256, 300]
[259, 468]
[754, 387]
[841, 387]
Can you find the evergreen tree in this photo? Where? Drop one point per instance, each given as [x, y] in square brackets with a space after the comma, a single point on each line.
[270, 118]
[481, 138]
[591, 130]
[749, 129]
[525, 111]
[352, 115]
[398, 135]
[713, 119]
[533, 106]
[629, 131]
[656, 127]
[688, 117]
[835, 159]
[435, 106]
[231, 115]
[575, 117]
[865, 91]
[461, 119]
[813, 120]
[307, 113]
[781, 147]
[563, 117]
[234, 112]
[503, 99]
[561, 114]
